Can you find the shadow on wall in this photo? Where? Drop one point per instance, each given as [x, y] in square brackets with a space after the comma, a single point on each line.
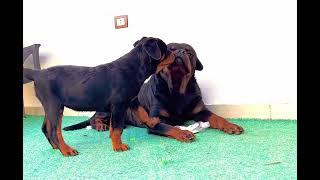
[208, 91]
[43, 58]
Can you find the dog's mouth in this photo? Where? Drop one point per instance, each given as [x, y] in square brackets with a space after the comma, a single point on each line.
[177, 71]
[180, 71]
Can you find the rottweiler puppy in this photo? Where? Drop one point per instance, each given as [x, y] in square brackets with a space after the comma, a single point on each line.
[108, 88]
[173, 96]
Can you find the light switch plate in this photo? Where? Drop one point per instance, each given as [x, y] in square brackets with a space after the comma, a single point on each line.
[121, 21]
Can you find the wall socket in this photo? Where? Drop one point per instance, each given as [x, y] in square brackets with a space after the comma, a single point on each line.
[121, 21]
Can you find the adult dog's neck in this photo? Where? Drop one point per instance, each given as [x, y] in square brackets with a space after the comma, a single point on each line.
[162, 85]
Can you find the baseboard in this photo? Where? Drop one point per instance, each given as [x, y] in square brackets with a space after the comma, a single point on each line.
[37, 110]
[273, 111]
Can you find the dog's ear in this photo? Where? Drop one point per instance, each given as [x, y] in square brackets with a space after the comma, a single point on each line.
[172, 46]
[152, 49]
[199, 65]
[135, 44]
[163, 47]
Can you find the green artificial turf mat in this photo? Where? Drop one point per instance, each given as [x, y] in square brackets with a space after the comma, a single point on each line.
[266, 150]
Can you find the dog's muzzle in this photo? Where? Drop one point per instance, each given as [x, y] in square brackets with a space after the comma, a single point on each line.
[182, 60]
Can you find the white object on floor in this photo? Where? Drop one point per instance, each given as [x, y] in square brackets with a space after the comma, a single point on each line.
[196, 127]
[89, 127]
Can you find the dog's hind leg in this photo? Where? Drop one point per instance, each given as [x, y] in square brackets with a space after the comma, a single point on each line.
[54, 115]
[45, 126]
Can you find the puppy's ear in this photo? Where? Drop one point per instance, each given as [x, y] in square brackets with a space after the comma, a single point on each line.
[135, 44]
[152, 49]
[199, 65]
[163, 47]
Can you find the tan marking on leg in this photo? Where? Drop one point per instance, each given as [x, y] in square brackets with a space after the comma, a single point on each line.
[117, 144]
[63, 147]
[143, 117]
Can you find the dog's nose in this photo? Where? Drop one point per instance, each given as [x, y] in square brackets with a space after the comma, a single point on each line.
[181, 51]
[179, 61]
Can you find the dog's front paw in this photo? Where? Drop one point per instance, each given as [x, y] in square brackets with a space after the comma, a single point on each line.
[232, 129]
[69, 151]
[120, 147]
[184, 136]
[217, 122]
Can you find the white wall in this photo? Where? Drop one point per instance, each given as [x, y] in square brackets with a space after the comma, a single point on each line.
[247, 47]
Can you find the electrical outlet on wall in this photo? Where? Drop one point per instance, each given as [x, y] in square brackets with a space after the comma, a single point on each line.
[121, 21]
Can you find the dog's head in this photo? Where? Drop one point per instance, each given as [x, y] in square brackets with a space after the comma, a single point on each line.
[195, 62]
[154, 51]
[178, 74]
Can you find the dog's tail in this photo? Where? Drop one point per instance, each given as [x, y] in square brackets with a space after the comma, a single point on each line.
[78, 126]
[29, 74]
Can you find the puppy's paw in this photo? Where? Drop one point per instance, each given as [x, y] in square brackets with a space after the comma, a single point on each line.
[184, 136]
[120, 147]
[69, 152]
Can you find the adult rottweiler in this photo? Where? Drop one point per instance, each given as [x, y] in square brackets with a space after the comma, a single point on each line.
[108, 87]
[173, 96]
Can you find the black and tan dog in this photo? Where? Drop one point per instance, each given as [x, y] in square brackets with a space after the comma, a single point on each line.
[173, 96]
[105, 88]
